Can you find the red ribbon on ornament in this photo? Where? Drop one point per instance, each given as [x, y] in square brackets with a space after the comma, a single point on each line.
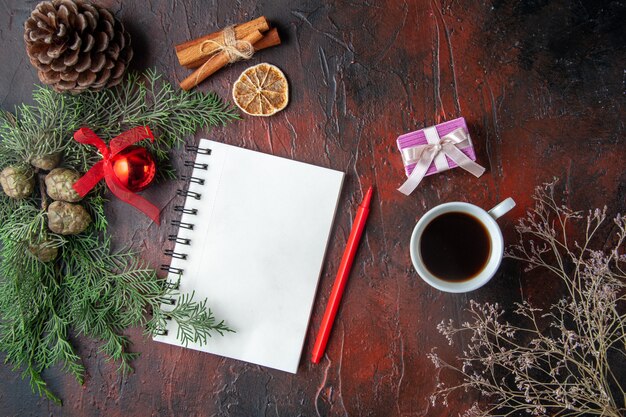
[104, 168]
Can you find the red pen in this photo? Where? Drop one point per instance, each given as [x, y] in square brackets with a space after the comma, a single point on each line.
[342, 277]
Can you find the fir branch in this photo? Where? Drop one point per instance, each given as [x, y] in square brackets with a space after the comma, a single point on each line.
[28, 295]
[47, 126]
[195, 322]
[88, 290]
[94, 203]
[37, 384]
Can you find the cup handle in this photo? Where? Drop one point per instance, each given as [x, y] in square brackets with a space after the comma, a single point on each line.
[502, 208]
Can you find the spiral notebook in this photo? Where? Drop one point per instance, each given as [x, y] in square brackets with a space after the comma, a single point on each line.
[252, 239]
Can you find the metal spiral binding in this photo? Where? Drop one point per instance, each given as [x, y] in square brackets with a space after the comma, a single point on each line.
[197, 180]
[173, 285]
[187, 193]
[160, 332]
[182, 241]
[183, 210]
[168, 268]
[170, 252]
[196, 149]
[165, 300]
[184, 225]
[170, 286]
[196, 165]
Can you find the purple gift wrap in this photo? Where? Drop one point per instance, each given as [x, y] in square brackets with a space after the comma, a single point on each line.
[411, 139]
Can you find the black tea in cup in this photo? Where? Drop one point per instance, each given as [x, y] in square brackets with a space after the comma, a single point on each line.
[455, 246]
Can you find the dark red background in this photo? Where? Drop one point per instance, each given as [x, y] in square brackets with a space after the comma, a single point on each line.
[541, 84]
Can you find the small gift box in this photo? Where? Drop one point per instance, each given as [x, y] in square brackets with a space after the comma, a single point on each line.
[436, 149]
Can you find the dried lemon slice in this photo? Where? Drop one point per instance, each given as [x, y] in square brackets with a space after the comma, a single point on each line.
[261, 90]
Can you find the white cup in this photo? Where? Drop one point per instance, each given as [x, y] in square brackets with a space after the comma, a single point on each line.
[487, 219]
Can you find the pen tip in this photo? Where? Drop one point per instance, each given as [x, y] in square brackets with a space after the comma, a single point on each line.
[368, 197]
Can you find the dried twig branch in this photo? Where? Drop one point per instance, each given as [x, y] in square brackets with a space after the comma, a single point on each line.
[566, 368]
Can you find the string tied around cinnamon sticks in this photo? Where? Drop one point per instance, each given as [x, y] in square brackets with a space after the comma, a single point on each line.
[210, 53]
[235, 50]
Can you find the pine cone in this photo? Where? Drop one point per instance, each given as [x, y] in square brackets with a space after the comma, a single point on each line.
[76, 46]
[45, 251]
[59, 183]
[67, 218]
[17, 183]
[46, 162]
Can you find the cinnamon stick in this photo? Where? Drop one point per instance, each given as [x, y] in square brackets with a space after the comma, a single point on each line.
[269, 39]
[214, 64]
[199, 49]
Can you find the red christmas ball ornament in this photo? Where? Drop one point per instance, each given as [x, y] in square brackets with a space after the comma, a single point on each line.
[134, 167]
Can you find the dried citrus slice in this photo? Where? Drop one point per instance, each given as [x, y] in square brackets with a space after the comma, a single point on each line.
[261, 90]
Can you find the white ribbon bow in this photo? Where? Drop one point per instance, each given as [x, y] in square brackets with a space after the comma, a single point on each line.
[436, 150]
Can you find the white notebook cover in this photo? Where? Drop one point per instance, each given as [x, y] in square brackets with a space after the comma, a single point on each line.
[257, 250]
